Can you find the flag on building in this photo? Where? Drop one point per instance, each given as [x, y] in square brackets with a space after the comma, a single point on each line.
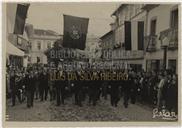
[140, 35]
[16, 16]
[127, 29]
[21, 14]
[134, 35]
[75, 32]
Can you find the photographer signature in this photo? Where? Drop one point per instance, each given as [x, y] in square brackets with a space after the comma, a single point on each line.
[164, 114]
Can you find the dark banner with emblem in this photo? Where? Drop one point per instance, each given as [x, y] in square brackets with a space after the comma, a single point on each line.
[21, 15]
[75, 32]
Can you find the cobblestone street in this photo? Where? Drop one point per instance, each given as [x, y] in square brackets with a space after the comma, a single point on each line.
[48, 111]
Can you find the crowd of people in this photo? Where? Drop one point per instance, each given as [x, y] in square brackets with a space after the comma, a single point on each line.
[159, 89]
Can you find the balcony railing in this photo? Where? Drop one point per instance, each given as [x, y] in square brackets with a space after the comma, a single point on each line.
[19, 42]
[172, 35]
[23, 44]
[151, 42]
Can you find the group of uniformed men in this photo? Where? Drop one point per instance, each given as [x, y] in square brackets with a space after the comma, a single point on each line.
[37, 84]
[91, 88]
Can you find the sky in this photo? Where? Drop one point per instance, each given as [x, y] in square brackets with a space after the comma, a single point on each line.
[49, 16]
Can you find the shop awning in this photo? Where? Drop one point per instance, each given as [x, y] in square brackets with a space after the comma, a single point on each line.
[12, 50]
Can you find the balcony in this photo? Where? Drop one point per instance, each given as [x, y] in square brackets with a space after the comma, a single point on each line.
[19, 42]
[151, 42]
[23, 44]
[171, 36]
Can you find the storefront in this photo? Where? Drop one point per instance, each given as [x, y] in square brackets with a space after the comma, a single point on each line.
[15, 56]
[155, 62]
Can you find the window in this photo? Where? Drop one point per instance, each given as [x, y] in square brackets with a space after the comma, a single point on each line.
[172, 65]
[48, 45]
[153, 26]
[174, 18]
[38, 45]
[30, 45]
[38, 59]
[154, 65]
[29, 59]
[19, 42]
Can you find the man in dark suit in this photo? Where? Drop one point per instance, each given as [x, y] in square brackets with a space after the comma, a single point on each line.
[114, 91]
[126, 89]
[58, 88]
[14, 88]
[37, 82]
[43, 85]
[46, 86]
[30, 88]
[78, 90]
[63, 84]
[94, 89]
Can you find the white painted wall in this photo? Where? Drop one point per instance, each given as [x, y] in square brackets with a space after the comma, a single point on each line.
[162, 14]
[134, 28]
[35, 52]
[127, 14]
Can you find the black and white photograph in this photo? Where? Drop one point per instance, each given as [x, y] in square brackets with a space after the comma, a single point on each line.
[91, 62]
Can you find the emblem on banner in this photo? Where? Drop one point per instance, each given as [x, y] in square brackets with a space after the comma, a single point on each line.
[74, 33]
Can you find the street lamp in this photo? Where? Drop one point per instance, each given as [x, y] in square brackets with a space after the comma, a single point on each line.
[164, 45]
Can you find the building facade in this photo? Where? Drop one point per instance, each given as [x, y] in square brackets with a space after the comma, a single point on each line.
[41, 40]
[152, 34]
[161, 37]
[17, 45]
[107, 40]
[134, 15]
[22, 43]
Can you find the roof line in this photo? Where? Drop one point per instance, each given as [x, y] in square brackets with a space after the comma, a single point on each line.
[106, 34]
